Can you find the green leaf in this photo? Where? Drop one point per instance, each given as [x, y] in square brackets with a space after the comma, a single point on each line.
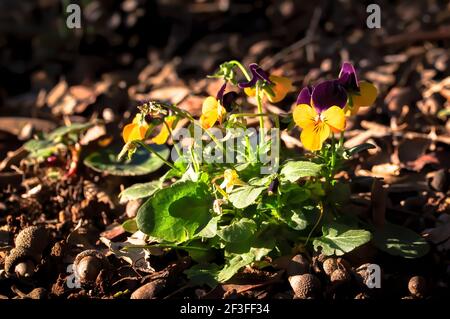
[142, 163]
[233, 266]
[139, 190]
[348, 153]
[400, 241]
[338, 239]
[294, 170]
[238, 231]
[176, 213]
[203, 274]
[40, 149]
[294, 218]
[245, 195]
[74, 128]
[210, 230]
[130, 225]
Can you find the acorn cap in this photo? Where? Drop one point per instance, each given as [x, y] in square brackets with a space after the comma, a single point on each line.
[305, 286]
[298, 265]
[34, 238]
[16, 256]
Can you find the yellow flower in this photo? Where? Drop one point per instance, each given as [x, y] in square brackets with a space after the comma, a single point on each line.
[282, 86]
[317, 127]
[366, 97]
[212, 111]
[230, 179]
[136, 130]
[165, 131]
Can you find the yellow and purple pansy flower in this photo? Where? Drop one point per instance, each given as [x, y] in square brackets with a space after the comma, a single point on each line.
[319, 112]
[360, 93]
[274, 87]
[214, 109]
[136, 130]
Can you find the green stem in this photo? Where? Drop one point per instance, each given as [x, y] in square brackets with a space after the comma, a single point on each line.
[260, 111]
[242, 68]
[165, 246]
[152, 151]
[316, 224]
[173, 140]
[195, 122]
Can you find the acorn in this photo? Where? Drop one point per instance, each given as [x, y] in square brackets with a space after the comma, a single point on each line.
[149, 290]
[340, 276]
[417, 286]
[30, 243]
[329, 266]
[88, 264]
[298, 265]
[305, 286]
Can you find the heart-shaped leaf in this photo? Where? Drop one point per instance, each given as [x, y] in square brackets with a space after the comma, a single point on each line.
[338, 239]
[294, 170]
[142, 163]
[238, 231]
[139, 190]
[176, 213]
[400, 241]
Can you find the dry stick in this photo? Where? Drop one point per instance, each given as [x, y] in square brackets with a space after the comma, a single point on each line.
[439, 34]
[299, 44]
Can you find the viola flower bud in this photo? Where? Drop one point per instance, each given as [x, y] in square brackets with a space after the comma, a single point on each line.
[273, 187]
[230, 179]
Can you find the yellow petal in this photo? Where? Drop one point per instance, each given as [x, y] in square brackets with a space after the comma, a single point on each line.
[230, 179]
[127, 131]
[221, 111]
[210, 113]
[313, 136]
[132, 132]
[368, 94]
[304, 115]
[165, 131]
[250, 91]
[281, 88]
[335, 118]
[136, 130]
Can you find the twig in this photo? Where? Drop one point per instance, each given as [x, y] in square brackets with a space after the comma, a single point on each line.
[404, 38]
[269, 63]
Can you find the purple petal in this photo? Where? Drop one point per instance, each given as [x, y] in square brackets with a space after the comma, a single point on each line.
[348, 78]
[328, 94]
[257, 74]
[305, 95]
[228, 100]
[260, 73]
[221, 91]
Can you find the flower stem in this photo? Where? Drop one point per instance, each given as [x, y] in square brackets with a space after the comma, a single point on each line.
[242, 68]
[152, 151]
[260, 111]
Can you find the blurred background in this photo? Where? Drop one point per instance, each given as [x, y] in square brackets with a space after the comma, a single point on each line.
[132, 50]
